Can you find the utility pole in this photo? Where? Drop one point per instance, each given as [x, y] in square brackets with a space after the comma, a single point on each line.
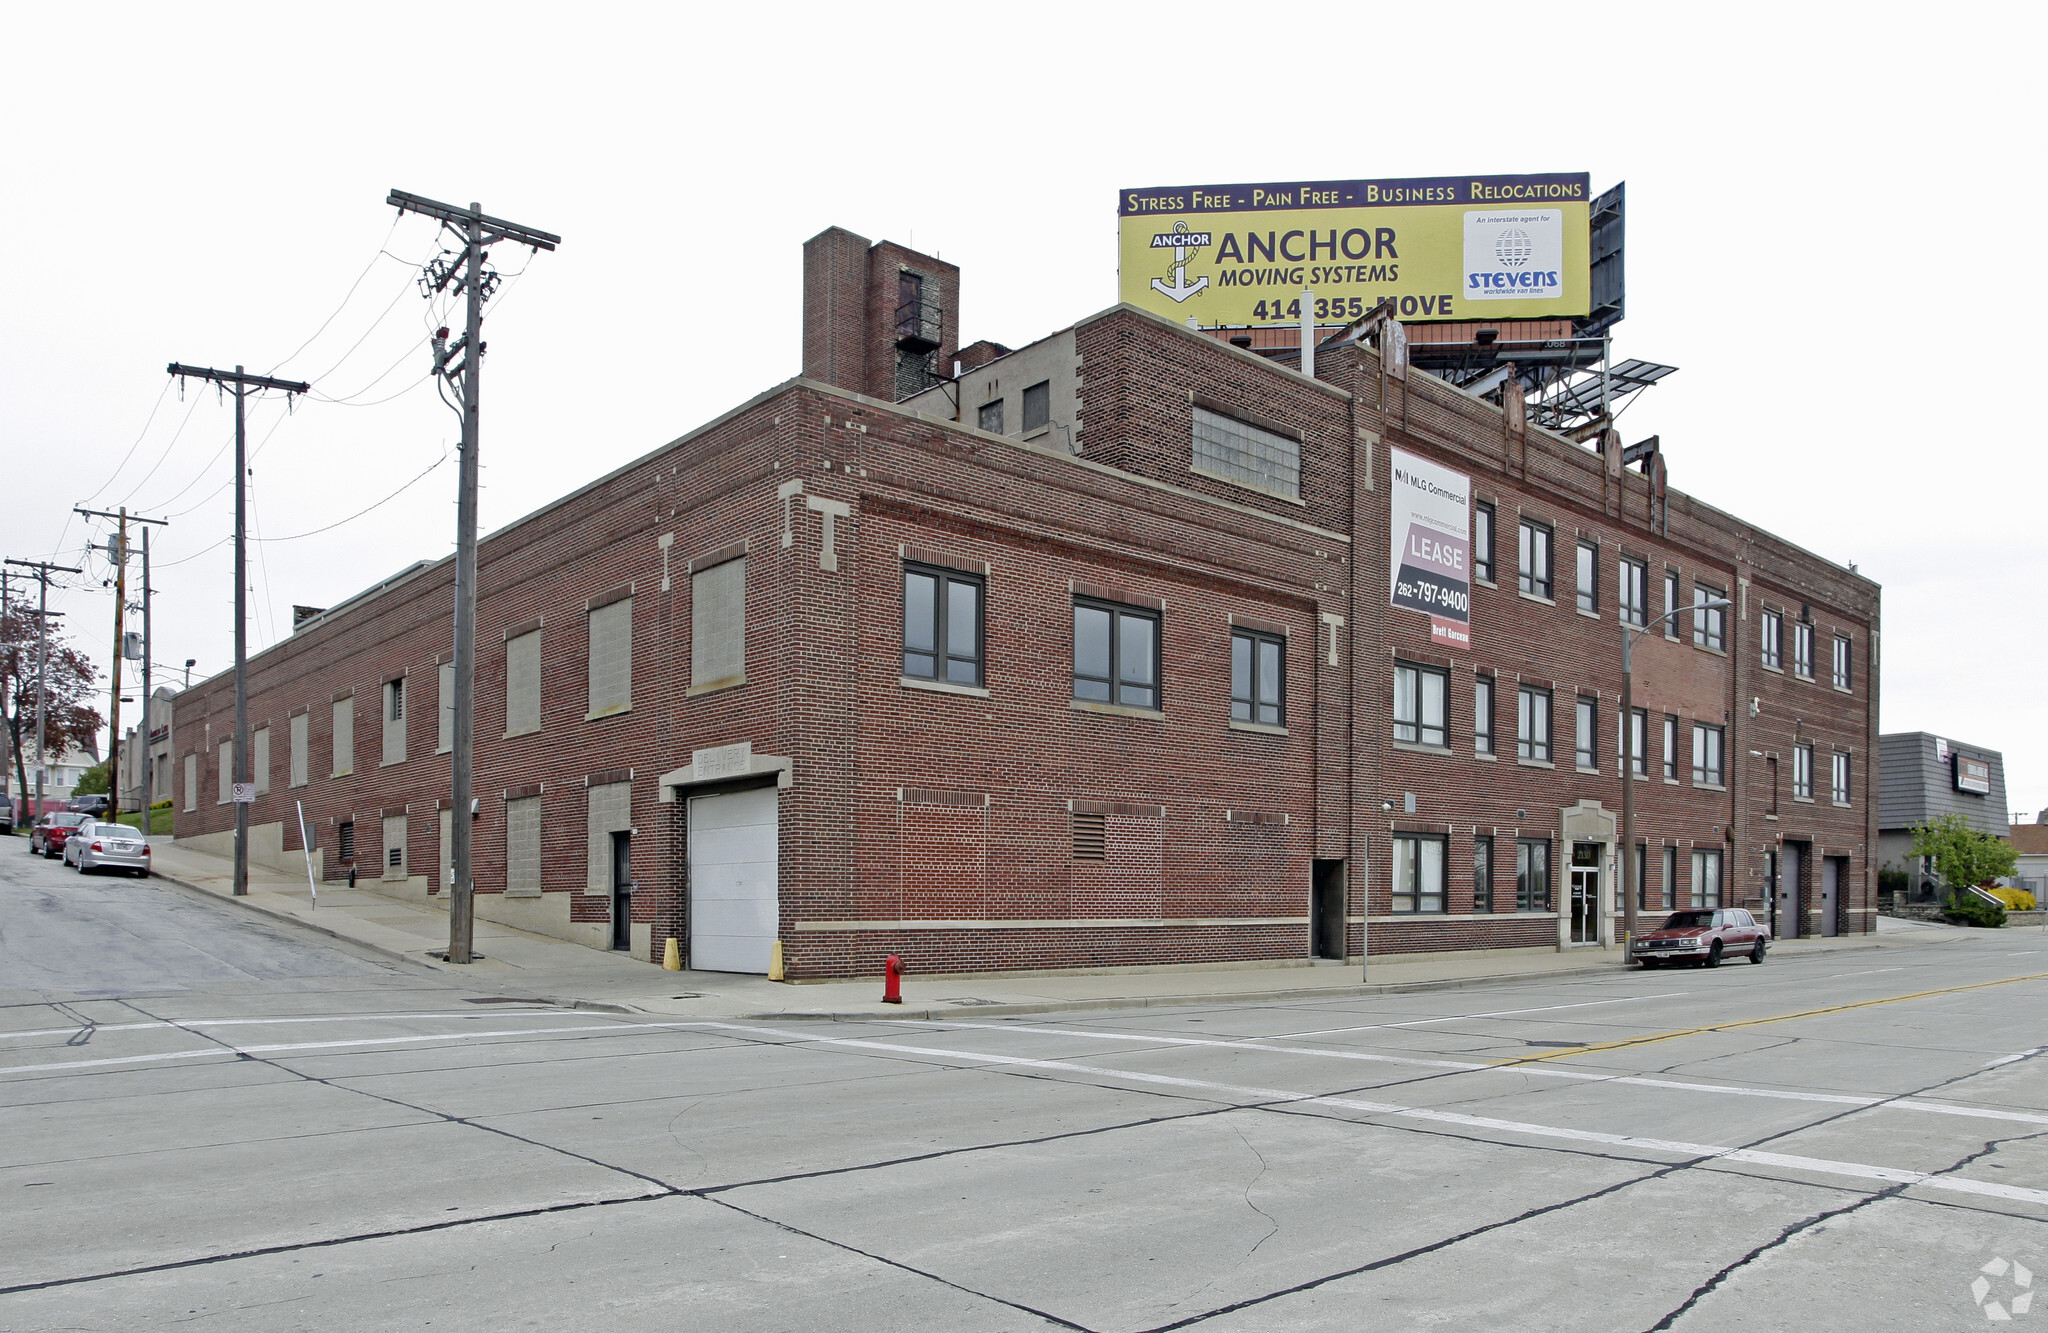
[117, 549]
[43, 572]
[477, 232]
[241, 385]
[148, 767]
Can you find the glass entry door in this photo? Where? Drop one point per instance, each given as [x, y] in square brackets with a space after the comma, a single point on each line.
[1585, 893]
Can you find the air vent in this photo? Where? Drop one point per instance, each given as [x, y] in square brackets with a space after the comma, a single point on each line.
[1091, 838]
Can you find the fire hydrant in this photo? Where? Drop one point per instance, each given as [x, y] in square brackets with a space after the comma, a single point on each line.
[892, 980]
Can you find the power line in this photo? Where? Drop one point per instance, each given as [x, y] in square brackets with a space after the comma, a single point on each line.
[381, 253]
[133, 447]
[360, 512]
[165, 455]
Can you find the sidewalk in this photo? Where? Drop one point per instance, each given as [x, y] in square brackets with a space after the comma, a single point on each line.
[539, 967]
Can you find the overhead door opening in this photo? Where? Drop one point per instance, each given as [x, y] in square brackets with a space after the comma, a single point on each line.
[734, 849]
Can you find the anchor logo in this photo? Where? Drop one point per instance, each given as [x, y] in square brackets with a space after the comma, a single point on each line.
[1182, 242]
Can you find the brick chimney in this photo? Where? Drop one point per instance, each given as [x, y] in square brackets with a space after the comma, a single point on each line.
[879, 319]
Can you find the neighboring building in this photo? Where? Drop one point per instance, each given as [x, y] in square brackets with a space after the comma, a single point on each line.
[1083, 657]
[2030, 841]
[1923, 776]
[59, 780]
[140, 788]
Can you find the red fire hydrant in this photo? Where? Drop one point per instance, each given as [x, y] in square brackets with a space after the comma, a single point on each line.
[892, 980]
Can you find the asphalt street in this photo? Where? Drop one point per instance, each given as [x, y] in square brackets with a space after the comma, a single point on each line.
[209, 1119]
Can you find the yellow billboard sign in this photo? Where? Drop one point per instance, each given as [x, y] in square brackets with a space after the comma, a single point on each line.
[1467, 247]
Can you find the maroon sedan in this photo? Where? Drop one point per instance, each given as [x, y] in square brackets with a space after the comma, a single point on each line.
[1704, 936]
[48, 834]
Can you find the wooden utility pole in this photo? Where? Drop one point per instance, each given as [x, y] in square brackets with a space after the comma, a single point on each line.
[117, 551]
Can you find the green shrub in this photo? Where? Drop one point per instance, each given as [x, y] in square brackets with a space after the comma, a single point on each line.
[1891, 879]
[164, 804]
[1967, 909]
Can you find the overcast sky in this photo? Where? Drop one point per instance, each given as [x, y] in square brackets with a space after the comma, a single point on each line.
[1834, 219]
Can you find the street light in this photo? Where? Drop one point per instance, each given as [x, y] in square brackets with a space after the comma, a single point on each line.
[1629, 887]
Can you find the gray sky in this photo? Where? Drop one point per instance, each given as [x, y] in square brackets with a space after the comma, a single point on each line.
[1833, 217]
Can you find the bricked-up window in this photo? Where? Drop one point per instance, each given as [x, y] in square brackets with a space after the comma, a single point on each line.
[1670, 885]
[444, 722]
[394, 721]
[302, 726]
[942, 626]
[1641, 718]
[1418, 874]
[611, 658]
[1802, 649]
[344, 737]
[1532, 875]
[227, 770]
[1534, 570]
[1091, 837]
[522, 846]
[1706, 878]
[1670, 748]
[1116, 655]
[1037, 405]
[346, 841]
[1482, 715]
[522, 687]
[1532, 724]
[1631, 591]
[1589, 577]
[1671, 612]
[259, 755]
[1841, 662]
[191, 782]
[718, 625]
[1258, 679]
[1419, 707]
[1482, 873]
[1588, 733]
[1802, 771]
[1482, 541]
[1770, 633]
[1706, 755]
[1838, 787]
[1248, 455]
[1709, 623]
[990, 418]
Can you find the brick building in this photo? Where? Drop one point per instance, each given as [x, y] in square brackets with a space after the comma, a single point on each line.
[1078, 655]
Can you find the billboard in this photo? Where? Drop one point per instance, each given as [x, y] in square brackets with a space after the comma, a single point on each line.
[1466, 247]
[1973, 775]
[1432, 545]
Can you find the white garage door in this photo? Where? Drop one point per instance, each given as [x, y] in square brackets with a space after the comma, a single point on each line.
[733, 853]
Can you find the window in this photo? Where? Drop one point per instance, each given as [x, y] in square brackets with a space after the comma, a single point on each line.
[259, 754]
[444, 724]
[344, 737]
[1482, 715]
[1587, 748]
[1706, 755]
[1642, 877]
[1589, 577]
[1418, 874]
[1534, 571]
[191, 782]
[1631, 593]
[611, 658]
[1670, 748]
[1482, 542]
[1709, 623]
[941, 626]
[1670, 885]
[1419, 704]
[990, 418]
[1640, 717]
[1482, 873]
[1802, 649]
[1532, 724]
[346, 848]
[1841, 662]
[394, 721]
[1116, 655]
[1838, 784]
[1671, 604]
[1771, 635]
[718, 625]
[227, 771]
[1037, 405]
[522, 687]
[1802, 771]
[522, 846]
[1257, 679]
[1532, 875]
[1247, 455]
[1706, 878]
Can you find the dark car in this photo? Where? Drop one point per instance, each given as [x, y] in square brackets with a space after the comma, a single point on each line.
[47, 835]
[1704, 936]
[99, 804]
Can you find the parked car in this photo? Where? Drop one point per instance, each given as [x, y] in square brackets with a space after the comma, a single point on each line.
[99, 804]
[46, 837]
[1705, 936]
[97, 845]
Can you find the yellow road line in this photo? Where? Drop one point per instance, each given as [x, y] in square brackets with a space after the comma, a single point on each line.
[1757, 1022]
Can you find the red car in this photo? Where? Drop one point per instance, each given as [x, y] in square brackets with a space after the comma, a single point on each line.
[48, 834]
[1705, 936]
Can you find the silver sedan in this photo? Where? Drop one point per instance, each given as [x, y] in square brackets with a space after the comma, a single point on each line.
[98, 845]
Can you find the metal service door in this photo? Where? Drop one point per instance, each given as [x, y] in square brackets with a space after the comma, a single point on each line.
[1830, 894]
[734, 851]
[1585, 893]
[1788, 893]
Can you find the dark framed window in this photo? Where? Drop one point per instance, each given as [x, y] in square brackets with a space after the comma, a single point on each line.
[1709, 623]
[1802, 649]
[1770, 633]
[1671, 604]
[1482, 541]
[1641, 758]
[1116, 655]
[1587, 738]
[1706, 755]
[1839, 785]
[1258, 678]
[1670, 748]
[1631, 592]
[990, 418]
[1706, 878]
[1418, 873]
[1589, 577]
[1642, 877]
[394, 699]
[1482, 715]
[1532, 724]
[1535, 568]
[942, 617]
[1419, 704]
[1482, 873]
[1841, 661]
[1532, 875]
[1802, 771]
[1037, 405]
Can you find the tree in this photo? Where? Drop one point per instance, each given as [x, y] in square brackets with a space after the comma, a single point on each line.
[1962, 856]
[92, 782]
[72, 721]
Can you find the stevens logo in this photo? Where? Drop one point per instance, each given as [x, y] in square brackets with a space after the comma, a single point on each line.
[1514, 255]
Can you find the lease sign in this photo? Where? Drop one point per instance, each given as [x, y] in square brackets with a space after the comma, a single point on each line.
[1432, 545]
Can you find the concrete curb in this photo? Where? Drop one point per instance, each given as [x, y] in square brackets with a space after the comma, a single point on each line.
[395, 955]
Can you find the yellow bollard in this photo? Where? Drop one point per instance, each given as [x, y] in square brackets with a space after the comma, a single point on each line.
[672, 957]
[775, 961]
